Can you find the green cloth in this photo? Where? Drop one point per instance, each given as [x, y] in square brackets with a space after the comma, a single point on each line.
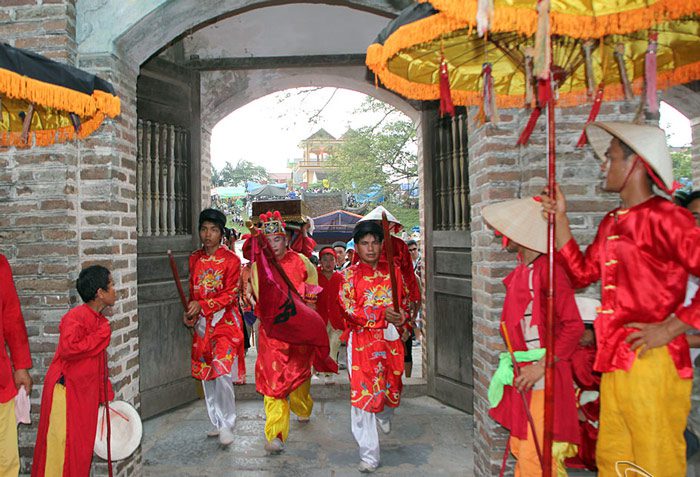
[504, 374]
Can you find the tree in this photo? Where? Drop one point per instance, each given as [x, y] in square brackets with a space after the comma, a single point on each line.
[379, 155]
[682, 164]
[240, 173]
[216, 179]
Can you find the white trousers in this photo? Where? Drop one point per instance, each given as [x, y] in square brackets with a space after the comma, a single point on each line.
[219, 395]
[364, 424]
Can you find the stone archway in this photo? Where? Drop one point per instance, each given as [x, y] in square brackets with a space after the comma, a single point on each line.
[686, 100]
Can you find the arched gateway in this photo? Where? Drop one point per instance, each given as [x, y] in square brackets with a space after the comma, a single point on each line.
[179, 66]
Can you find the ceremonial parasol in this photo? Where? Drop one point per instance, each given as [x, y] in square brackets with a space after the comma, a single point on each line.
[514, 53]
[43, 102]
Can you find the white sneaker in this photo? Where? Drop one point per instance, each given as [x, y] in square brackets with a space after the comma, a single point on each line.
[366, 468]
[385, 426]
[275, 446]
[214, 432]
[303, 420]
[225, 437]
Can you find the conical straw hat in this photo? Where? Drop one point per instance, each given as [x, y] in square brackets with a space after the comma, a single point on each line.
[126, 430]
[649, 142]
[376, 214]
[521, 221]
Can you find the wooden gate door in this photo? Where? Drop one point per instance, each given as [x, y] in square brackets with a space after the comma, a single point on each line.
[168, 194]
[448, 258]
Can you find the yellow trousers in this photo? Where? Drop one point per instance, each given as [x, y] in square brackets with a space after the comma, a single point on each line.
[527, 462]
[9, 452]
[56, 435]
[277, 411]
[643, 413]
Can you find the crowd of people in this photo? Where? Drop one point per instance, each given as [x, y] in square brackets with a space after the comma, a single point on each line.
[622, 368]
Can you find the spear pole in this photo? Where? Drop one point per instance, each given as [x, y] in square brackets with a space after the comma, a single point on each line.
[389, 249]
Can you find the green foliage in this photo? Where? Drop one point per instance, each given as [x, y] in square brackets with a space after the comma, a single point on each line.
[408, 217]
[382, 154]
[240, 173]
[682, 164]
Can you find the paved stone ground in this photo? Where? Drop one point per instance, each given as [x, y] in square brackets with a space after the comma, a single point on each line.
[428, 438]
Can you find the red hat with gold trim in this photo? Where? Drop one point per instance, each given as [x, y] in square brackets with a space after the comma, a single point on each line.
[272, 224]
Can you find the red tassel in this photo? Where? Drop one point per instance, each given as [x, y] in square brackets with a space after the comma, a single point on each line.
[527, 132]
[446, 105]
[489, 100]
[595, 109]
[544, 92]
[650, 73]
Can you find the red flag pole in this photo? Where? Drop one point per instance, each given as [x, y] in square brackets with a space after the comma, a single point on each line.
[176, 277]
[549, 341]
[389, 249]
[178, 284]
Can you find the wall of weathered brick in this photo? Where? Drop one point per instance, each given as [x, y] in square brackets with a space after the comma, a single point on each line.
[695, 152]
[68, 206]
[500, 170]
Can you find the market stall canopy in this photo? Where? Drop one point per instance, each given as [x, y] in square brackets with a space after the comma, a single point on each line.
[270, 190]
[228, 192]
[334, 226]
[43, 102]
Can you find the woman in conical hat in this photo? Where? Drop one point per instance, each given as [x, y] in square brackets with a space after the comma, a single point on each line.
[642, 255]
[524, 315]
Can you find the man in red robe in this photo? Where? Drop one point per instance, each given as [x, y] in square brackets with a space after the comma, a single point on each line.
[13, 368]
[642, 255]
[524, 315]
[76, 382]
[218, 342]
[283, 370]
[328, 305]
[375, 350]
[402, 257]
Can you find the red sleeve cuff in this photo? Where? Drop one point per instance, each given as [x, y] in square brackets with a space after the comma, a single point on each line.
[569, 248]
[690, 315]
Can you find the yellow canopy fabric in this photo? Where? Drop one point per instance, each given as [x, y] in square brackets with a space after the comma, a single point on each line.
[408, 61]
[574, 18]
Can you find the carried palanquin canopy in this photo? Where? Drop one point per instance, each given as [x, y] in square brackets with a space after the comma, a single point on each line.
[43, 102]
[407, 54]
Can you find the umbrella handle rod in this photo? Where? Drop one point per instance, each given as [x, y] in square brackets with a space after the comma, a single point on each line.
[549, 328]
[389, 248]
[516, 372]
[178, 284]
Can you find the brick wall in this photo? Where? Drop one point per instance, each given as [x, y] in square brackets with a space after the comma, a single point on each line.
[499, 170]
[695, 154]
[68, 206]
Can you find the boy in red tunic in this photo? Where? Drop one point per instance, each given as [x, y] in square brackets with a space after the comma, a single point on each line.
[283, 370]
[76, 382]
[524, 316]
[642, 255]
[328, 305]
[375, 350]
[13, 336]
[217, 345]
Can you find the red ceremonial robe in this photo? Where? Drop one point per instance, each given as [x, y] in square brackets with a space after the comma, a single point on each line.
[81, 360]
[214, 284]
[403, 260]
[568, 329]
[377, 364]
[13, 334]
[328, 305]
[642, 256]
[282, 367]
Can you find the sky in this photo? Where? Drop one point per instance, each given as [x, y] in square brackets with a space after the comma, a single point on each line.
[268, 131]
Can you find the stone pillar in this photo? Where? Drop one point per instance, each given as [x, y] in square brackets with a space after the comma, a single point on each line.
[205, 162]
[499, 170]
[695, 152]
[107, 162]
[70, 205]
